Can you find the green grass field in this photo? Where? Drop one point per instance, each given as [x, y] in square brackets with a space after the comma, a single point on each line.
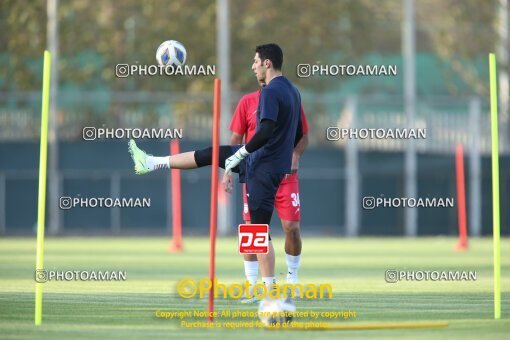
[354, 267]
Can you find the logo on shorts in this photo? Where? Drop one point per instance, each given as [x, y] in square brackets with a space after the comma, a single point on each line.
[253, 238]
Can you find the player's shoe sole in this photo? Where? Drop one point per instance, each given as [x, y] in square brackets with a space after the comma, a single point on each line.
[139, 158]
[250, 300]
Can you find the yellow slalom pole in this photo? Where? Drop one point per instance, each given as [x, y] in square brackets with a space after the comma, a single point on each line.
[41, 207]
[495, 187]
[339, 326]
[374, 326]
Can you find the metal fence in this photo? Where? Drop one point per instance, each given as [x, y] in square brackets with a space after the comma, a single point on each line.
[448, 122]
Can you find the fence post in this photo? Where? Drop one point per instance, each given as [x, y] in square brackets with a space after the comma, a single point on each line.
[58, 225]
[352, 199]
[3, 202]
[115, 193]
[475, 172]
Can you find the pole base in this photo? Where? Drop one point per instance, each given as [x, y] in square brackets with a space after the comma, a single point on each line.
[175, 247]
[462, 245]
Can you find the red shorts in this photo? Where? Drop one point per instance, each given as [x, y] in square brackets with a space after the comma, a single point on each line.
[286, 200]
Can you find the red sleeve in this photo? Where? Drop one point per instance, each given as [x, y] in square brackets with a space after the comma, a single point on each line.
[303, 120]
[238, 123]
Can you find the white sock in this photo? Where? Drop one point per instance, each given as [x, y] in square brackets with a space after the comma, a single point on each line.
[251, 270]
[293, 265]
[156, 163]
[268, 281]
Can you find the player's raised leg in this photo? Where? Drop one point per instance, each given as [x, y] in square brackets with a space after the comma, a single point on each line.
[145, 163]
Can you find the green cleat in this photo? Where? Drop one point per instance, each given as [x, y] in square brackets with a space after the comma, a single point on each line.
[139, 158]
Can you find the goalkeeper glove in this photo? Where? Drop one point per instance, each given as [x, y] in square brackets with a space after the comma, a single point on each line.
[235, 159]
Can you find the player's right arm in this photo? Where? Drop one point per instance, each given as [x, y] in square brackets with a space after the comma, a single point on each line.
[268, 117]
[238, 126]
[302, 141]
[236, 138]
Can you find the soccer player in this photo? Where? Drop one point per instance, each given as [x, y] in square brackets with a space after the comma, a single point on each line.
[243, 126]
[265, 160]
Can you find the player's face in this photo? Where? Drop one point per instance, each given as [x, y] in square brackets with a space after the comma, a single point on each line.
[259, 69]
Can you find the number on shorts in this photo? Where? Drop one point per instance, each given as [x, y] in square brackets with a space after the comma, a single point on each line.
[295, 199]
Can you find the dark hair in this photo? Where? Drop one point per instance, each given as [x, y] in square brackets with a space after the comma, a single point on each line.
[272, 52]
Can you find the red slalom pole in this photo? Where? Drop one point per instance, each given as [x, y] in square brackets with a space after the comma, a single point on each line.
[176, 245]
[462, 243]
[214, 191]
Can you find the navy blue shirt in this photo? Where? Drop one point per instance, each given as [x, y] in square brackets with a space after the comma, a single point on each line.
[280, 102]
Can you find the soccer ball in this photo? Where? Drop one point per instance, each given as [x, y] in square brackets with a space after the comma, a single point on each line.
[171, 53]
[276, 311]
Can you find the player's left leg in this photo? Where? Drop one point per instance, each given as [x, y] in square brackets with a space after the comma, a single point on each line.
[266, 261]
[288, 207]
[251, 264]
[292, 249]
[261, 188]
